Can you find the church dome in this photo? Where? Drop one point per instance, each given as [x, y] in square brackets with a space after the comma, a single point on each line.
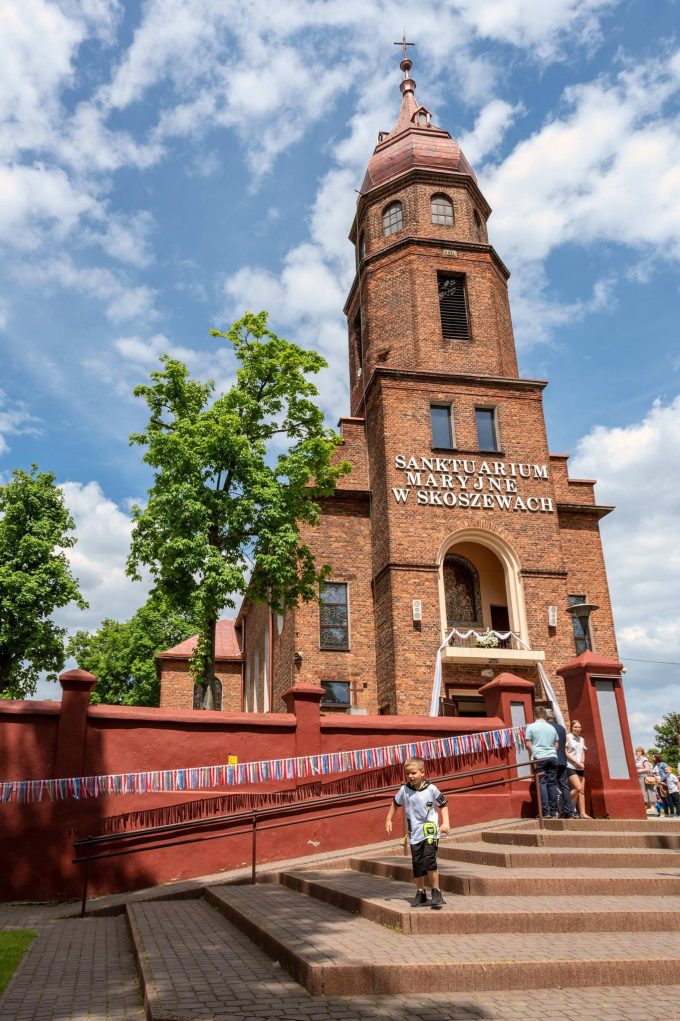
[413, 142]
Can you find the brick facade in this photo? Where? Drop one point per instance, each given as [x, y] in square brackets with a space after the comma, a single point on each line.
[524, 530]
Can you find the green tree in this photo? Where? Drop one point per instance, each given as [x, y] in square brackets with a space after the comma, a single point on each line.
[35, 579]
[235, 477]
[121, 653]
[666, 742]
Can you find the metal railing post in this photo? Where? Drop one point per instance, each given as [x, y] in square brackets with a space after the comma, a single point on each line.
[86, 879]
[541, 824]
[253, 867]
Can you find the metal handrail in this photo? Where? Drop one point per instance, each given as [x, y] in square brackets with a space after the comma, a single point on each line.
[253, 815]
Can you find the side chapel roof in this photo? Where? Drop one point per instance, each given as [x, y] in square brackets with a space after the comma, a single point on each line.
[227, 644]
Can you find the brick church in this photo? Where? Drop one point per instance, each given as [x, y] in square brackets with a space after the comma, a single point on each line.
[456, 528]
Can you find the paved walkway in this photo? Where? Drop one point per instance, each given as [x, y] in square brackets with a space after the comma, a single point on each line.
[74, 971]
[208, 971]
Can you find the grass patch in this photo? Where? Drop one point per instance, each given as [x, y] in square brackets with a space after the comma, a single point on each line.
[13, 946]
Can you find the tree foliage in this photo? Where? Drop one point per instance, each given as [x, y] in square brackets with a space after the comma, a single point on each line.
[235, 476]
[121, 653]
[35, 579]
[667, 733]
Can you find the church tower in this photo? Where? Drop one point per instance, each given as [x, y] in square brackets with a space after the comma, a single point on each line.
[474, 525]
[456, 530]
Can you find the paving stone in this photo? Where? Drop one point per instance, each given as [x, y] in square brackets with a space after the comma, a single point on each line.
[76, 971]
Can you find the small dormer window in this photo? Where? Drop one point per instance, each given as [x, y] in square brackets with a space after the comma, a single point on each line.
[393, 218]
[421, 117]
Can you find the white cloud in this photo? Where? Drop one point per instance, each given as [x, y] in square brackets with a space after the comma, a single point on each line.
[123, 300]
[35, 196]
[98, 559]
[607, 170]
[537, 25]
[15, 420]
[490, 127]
[638, 467]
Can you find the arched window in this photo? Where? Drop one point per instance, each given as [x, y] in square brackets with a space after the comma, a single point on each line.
[362, 246]
[203, 698]
[442, 210]
[393, 218]
[461, 591]
[479, 233]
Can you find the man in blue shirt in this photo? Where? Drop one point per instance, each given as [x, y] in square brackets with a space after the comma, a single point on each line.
[565, 807]
[540, 740]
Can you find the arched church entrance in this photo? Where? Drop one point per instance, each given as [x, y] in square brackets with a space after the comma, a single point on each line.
[481, 600]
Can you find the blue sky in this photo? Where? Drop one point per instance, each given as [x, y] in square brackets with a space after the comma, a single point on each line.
[165, 165]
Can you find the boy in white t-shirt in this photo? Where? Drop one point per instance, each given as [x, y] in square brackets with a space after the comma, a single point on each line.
[421, 801]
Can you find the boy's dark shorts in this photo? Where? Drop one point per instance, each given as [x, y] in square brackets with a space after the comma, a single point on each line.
[424, 857]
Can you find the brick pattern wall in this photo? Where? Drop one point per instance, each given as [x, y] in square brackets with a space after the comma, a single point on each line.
[389, 551]
[177, 685]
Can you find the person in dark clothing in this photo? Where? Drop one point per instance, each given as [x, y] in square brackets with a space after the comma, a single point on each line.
[566, 808]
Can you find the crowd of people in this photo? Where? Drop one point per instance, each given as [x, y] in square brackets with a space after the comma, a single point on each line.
[658, 783]
[560, 760]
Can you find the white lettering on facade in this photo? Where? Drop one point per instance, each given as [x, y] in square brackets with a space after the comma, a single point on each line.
[463, 482]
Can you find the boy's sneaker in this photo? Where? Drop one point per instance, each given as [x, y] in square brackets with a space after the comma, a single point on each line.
[437, 899]
[419, 900]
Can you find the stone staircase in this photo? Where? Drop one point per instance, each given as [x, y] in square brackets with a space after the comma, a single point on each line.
[577, 905]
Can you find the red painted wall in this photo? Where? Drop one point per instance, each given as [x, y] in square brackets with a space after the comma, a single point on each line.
[36, 847]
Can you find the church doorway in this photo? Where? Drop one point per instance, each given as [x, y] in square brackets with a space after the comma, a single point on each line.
[475, 594]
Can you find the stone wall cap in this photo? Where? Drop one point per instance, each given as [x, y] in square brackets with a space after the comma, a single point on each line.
[28, 707]
[439, 725]
[307, 691]
[77, 680]
[591, 663]
[508, 682]
[191, 717]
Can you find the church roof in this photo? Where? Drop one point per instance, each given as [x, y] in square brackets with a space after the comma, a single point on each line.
[413, 142]
[227, 644]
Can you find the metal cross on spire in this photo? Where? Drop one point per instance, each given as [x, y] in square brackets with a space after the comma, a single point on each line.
[405, 57]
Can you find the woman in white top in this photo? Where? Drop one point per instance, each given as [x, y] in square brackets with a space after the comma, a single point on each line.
[644, 770]
[576, 762]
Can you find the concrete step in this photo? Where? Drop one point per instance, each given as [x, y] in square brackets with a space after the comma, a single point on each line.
[548, 838]
[512, 857]
[333, 953]
[664, 825]
[472, 879]
[386, 902]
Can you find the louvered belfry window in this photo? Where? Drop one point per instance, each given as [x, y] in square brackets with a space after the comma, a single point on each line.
[453, 306]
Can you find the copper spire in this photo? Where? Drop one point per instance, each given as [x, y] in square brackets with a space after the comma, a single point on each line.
[414, 141]
[407, 87]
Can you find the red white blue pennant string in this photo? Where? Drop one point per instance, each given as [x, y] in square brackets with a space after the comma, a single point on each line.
[297, 768]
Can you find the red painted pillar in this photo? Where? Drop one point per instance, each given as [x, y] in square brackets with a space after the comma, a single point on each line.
[304, 700]
[509, 697]
[594, 691]
[69, 756]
